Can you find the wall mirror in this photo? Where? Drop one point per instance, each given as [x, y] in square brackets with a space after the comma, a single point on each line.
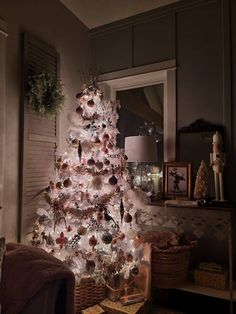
[146, 95]
[195, 144]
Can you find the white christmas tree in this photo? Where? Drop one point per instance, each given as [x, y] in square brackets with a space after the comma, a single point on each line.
[88, 217]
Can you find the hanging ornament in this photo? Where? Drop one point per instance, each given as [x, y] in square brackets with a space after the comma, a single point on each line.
[129, 257]
[50, 240]
[105, 137]
[75, 142]
[59, 163]
[110, 146]
[99, 165]
[125, 157]
[65, 166]
[97, 140]
[90, 266]
[107, 238]
[134, 270]
[122, 210]
[81, 230]
[99, 216]
[107, 217]
[69, 228]
[128, 218]
[105, 150]
[62, 240]
[58, 217]
[67, 183]
[52, 185]
[59, 185]
[121, 236]
[104, 125]
[79, 110]
[79, 151]
[114, 241]
[79, 95]
[93, 241]
[43, 220]
[74, 242]
[91, 162]
[87, 195]
[113, 180]
[106, 162]
[90, 103]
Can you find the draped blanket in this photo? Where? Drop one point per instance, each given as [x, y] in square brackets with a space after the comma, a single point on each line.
[25, 271]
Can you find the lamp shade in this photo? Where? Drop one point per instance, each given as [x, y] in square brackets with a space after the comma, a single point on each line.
[141, 149]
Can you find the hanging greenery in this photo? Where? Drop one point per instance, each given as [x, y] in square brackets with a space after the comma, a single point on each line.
[44, 94]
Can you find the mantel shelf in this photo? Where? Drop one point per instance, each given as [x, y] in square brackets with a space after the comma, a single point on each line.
[211, 292]
[185, 205]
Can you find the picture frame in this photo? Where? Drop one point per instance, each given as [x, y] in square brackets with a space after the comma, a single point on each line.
[177, 180]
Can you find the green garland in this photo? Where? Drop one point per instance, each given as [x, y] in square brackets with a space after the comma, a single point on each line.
[44, 94]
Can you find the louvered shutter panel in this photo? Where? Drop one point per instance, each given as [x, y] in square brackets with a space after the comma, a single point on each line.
[39, 136]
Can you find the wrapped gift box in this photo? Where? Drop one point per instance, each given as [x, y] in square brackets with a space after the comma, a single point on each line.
[111, 307]
[96, 309]
[211, 275]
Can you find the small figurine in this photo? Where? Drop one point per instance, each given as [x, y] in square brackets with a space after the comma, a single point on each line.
[217, 158]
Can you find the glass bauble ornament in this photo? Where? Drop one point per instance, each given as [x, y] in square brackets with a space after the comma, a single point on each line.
[91, 162]
[93, 241]
[107, 238]
[113, 180]
[67, 183]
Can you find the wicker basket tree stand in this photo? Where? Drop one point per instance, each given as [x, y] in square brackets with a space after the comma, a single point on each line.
[88, 293]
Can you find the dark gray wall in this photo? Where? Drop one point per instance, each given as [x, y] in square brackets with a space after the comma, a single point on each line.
[198, 35]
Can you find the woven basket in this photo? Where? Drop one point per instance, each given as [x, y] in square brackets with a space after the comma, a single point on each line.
[87, 294]
[169, 268]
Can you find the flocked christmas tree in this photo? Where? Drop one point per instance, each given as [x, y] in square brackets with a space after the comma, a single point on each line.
[88, 216]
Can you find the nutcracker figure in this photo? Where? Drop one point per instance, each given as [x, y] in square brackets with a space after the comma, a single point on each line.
[217, 158]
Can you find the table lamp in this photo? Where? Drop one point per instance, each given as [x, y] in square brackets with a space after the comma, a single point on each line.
[140, 149]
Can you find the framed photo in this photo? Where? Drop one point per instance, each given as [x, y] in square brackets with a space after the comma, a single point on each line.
[177, 180]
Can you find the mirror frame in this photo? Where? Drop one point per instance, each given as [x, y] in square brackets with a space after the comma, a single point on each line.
[160, 73]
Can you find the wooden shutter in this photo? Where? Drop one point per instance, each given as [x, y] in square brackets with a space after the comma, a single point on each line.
[38, 137]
